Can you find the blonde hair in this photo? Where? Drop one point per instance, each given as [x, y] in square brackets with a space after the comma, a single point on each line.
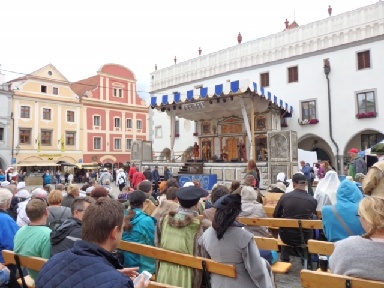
[72, 188]
[372, 210]
[55, 197]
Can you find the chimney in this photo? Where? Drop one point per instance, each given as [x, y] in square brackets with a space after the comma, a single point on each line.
[175, 59]
[239, 38]
[200, 51]
[330, 10]
[155, 67]
[286, 23]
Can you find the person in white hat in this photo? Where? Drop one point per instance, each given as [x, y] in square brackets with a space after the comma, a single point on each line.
[22, 218]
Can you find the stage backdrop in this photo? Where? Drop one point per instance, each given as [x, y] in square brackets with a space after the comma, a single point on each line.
[206, 180]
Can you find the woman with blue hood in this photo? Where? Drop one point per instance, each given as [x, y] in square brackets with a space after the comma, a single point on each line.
[339, 220]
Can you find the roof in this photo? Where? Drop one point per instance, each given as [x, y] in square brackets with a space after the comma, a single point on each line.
[117, 70]
[83, 86]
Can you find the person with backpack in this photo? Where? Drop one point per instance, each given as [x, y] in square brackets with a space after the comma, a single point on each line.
[57, 213]
[254, 171]
[121, 179]
[104, 176]
[64, 237]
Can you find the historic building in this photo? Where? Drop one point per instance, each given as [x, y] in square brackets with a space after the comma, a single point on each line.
[329, 71]
[47, 119]
[113, 115]
[5, 123]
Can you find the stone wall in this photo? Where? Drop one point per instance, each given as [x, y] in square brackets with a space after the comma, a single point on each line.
[226, 172]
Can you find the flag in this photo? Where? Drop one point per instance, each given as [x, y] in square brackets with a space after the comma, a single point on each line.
[62, 143]
[38, 143]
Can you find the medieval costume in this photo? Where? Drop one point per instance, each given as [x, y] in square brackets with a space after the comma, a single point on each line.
[196, 151]
[241, 151]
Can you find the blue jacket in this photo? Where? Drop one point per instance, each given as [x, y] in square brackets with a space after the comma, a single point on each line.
[47, 179]
[8, 229]
[155, 175]
[143, 232]
[307, 171]
[347, 205]
[85, 265]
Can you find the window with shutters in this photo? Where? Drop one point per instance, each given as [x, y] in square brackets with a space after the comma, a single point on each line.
[25, 111]
[308, 110]
[366, 102]
[129, 123]
[117, 122]
[70, 138]
[117, 144]
[139, 124]
[293, 74]
[97, 143]
[46, 137]
[47, 114]
[363, 60]
[25, 136]
[264, 79]
[70, 116]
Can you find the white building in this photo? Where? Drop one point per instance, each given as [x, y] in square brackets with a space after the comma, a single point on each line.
[290, 64]
[5, 124]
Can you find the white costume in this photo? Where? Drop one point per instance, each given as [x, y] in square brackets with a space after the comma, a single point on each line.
[326, 190]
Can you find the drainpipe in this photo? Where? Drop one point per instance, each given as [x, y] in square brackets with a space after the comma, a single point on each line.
[327, 70]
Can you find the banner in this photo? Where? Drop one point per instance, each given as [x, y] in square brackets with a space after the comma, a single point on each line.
[62, 143]
[38, 143]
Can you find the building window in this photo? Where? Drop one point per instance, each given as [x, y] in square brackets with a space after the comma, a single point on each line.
[177, 127]
[46, 114]
[139, 124]
[366, 103]
[97, 143]
[24, 112]
[117, 122]
[117, 144]
[25, 136]
[129, 144]
[46, 137]
[96, 120]
[363, 60]
[118, 92]
[158, 132]
[293, 74]
[369, 140]
[1, 134]
[129, 123]
[70, 138]
[308, 110]
[70, 116]
[264, 79]
[43, 89]
[55, 91]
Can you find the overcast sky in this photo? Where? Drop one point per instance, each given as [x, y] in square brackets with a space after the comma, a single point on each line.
[77, 37]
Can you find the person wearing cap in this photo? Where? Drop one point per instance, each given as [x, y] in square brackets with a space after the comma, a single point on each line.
[22, 217]
[359, 181]
[358, 164]
[275, 192]
[179, 231]
[297, 204]
[226, 242]
[140, 228]
[104, 176]
[373, 183]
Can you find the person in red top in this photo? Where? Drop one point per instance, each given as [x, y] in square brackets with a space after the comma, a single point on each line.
[132, 171]
[138, 177]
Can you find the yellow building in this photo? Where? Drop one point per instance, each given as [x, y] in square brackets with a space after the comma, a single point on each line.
[46, 120]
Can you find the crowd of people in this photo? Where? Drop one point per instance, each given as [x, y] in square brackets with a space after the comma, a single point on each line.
[79, 228]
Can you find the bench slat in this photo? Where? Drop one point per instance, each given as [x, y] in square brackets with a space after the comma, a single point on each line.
[179, 258]
[34, 263]
[266, 243]
[313, 279]
[321, 247]
[280, 222]
[160, 285]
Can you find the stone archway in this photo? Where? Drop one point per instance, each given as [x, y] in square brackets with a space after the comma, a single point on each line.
[313, 142]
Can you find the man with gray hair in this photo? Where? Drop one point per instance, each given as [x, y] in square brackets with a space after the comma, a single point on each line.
[8, 226]
[64, 237]
[22, 218]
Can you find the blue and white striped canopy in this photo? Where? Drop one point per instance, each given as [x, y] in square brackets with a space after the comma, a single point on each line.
[229, 88]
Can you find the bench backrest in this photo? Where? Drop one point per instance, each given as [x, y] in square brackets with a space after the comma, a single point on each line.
[314, 279]
[282, 222]
[267, 243]
[321, 247]
[34, 263]
[179, 258]
[160, 285]
[269, 210]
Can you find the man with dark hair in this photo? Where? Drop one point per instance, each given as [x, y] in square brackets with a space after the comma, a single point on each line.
[179, 231]
[90, 263]
[149, 205]
[217, 192]
[34, 239]
[297, 204]
[156, 178]
[148, 173]
[65, 236]
[198, 184]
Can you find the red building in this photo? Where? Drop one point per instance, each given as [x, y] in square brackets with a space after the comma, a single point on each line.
[114, 115]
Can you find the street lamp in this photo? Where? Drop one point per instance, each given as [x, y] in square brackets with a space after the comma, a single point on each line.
[17, 150]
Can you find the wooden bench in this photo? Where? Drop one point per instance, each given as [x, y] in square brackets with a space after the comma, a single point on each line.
[180, 258]
[282, 223]
[34, 263]
[321, 247]
[269, 210]
[271, 245]
[314, 279]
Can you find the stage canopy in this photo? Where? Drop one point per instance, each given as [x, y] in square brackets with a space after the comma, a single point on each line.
[221, 100]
